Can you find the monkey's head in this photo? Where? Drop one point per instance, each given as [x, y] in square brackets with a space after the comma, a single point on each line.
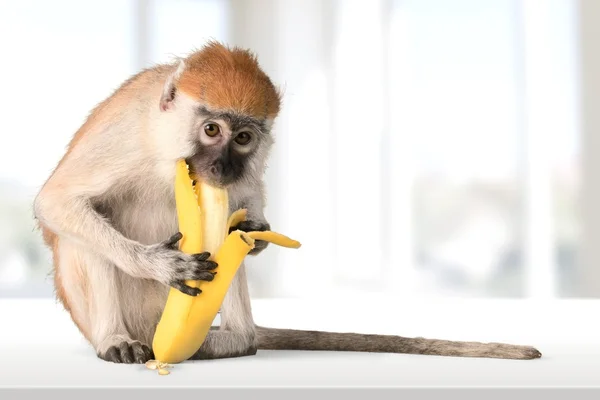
[229, 105]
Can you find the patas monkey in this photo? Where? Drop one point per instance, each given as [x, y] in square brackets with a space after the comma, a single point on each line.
[107, 211]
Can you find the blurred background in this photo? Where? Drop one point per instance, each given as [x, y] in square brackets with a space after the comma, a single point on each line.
[425, 147]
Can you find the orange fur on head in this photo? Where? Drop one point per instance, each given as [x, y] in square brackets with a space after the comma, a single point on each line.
[224, 78]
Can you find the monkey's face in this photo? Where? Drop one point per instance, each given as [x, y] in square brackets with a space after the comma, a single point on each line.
[229, 147]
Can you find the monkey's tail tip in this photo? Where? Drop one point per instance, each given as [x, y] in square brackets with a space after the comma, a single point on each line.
[531, 354]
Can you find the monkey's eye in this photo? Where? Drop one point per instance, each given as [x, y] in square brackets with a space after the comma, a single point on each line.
[243, 138]
[212, 129]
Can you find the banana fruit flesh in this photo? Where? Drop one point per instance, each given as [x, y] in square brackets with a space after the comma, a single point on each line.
[202, 212]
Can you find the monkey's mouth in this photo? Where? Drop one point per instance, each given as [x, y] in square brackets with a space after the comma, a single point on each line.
[214, 175]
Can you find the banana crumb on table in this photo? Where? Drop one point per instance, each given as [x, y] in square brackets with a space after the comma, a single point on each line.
[161, 367]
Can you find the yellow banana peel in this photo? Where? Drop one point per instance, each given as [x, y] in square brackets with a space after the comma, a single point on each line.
[202, 212]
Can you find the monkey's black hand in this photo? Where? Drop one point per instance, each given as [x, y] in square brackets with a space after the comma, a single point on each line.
[174, 267]
[249, 226]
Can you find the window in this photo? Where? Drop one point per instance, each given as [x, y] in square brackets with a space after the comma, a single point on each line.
[425, 147]
[442, 142]
[61, 58]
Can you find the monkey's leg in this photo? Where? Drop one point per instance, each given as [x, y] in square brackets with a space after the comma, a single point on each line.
[236, 335]
[89, 288]
[290, 339]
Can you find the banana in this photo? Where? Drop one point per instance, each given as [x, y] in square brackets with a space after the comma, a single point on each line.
[202, 213]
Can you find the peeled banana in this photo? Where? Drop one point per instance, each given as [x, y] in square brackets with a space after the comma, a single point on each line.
[202, 212]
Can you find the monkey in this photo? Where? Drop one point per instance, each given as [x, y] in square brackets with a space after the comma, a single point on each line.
[107, 212]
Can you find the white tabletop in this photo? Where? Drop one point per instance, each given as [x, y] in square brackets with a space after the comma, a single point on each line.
[40, 347]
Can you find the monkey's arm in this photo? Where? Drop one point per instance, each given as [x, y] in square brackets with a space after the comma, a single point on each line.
[65, 205]
[252, 198]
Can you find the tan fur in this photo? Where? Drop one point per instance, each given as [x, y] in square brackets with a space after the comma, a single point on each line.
[51, 240]
[231, 79]
[115, 103]
[105, 111]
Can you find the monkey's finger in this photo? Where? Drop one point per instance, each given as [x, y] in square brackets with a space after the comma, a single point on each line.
[207, 265]
[172, 241]
[204, 276]
[201, 256]
[112, 355]
[125, 352]
[249, 226]
[148, 353]
[139, 354]
[183, 288]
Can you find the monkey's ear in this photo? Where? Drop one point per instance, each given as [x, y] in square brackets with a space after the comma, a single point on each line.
[170, 89]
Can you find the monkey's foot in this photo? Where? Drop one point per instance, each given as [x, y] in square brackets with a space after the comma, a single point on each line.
[127, 352]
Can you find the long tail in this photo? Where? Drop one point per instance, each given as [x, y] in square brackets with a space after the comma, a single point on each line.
[291, 339]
